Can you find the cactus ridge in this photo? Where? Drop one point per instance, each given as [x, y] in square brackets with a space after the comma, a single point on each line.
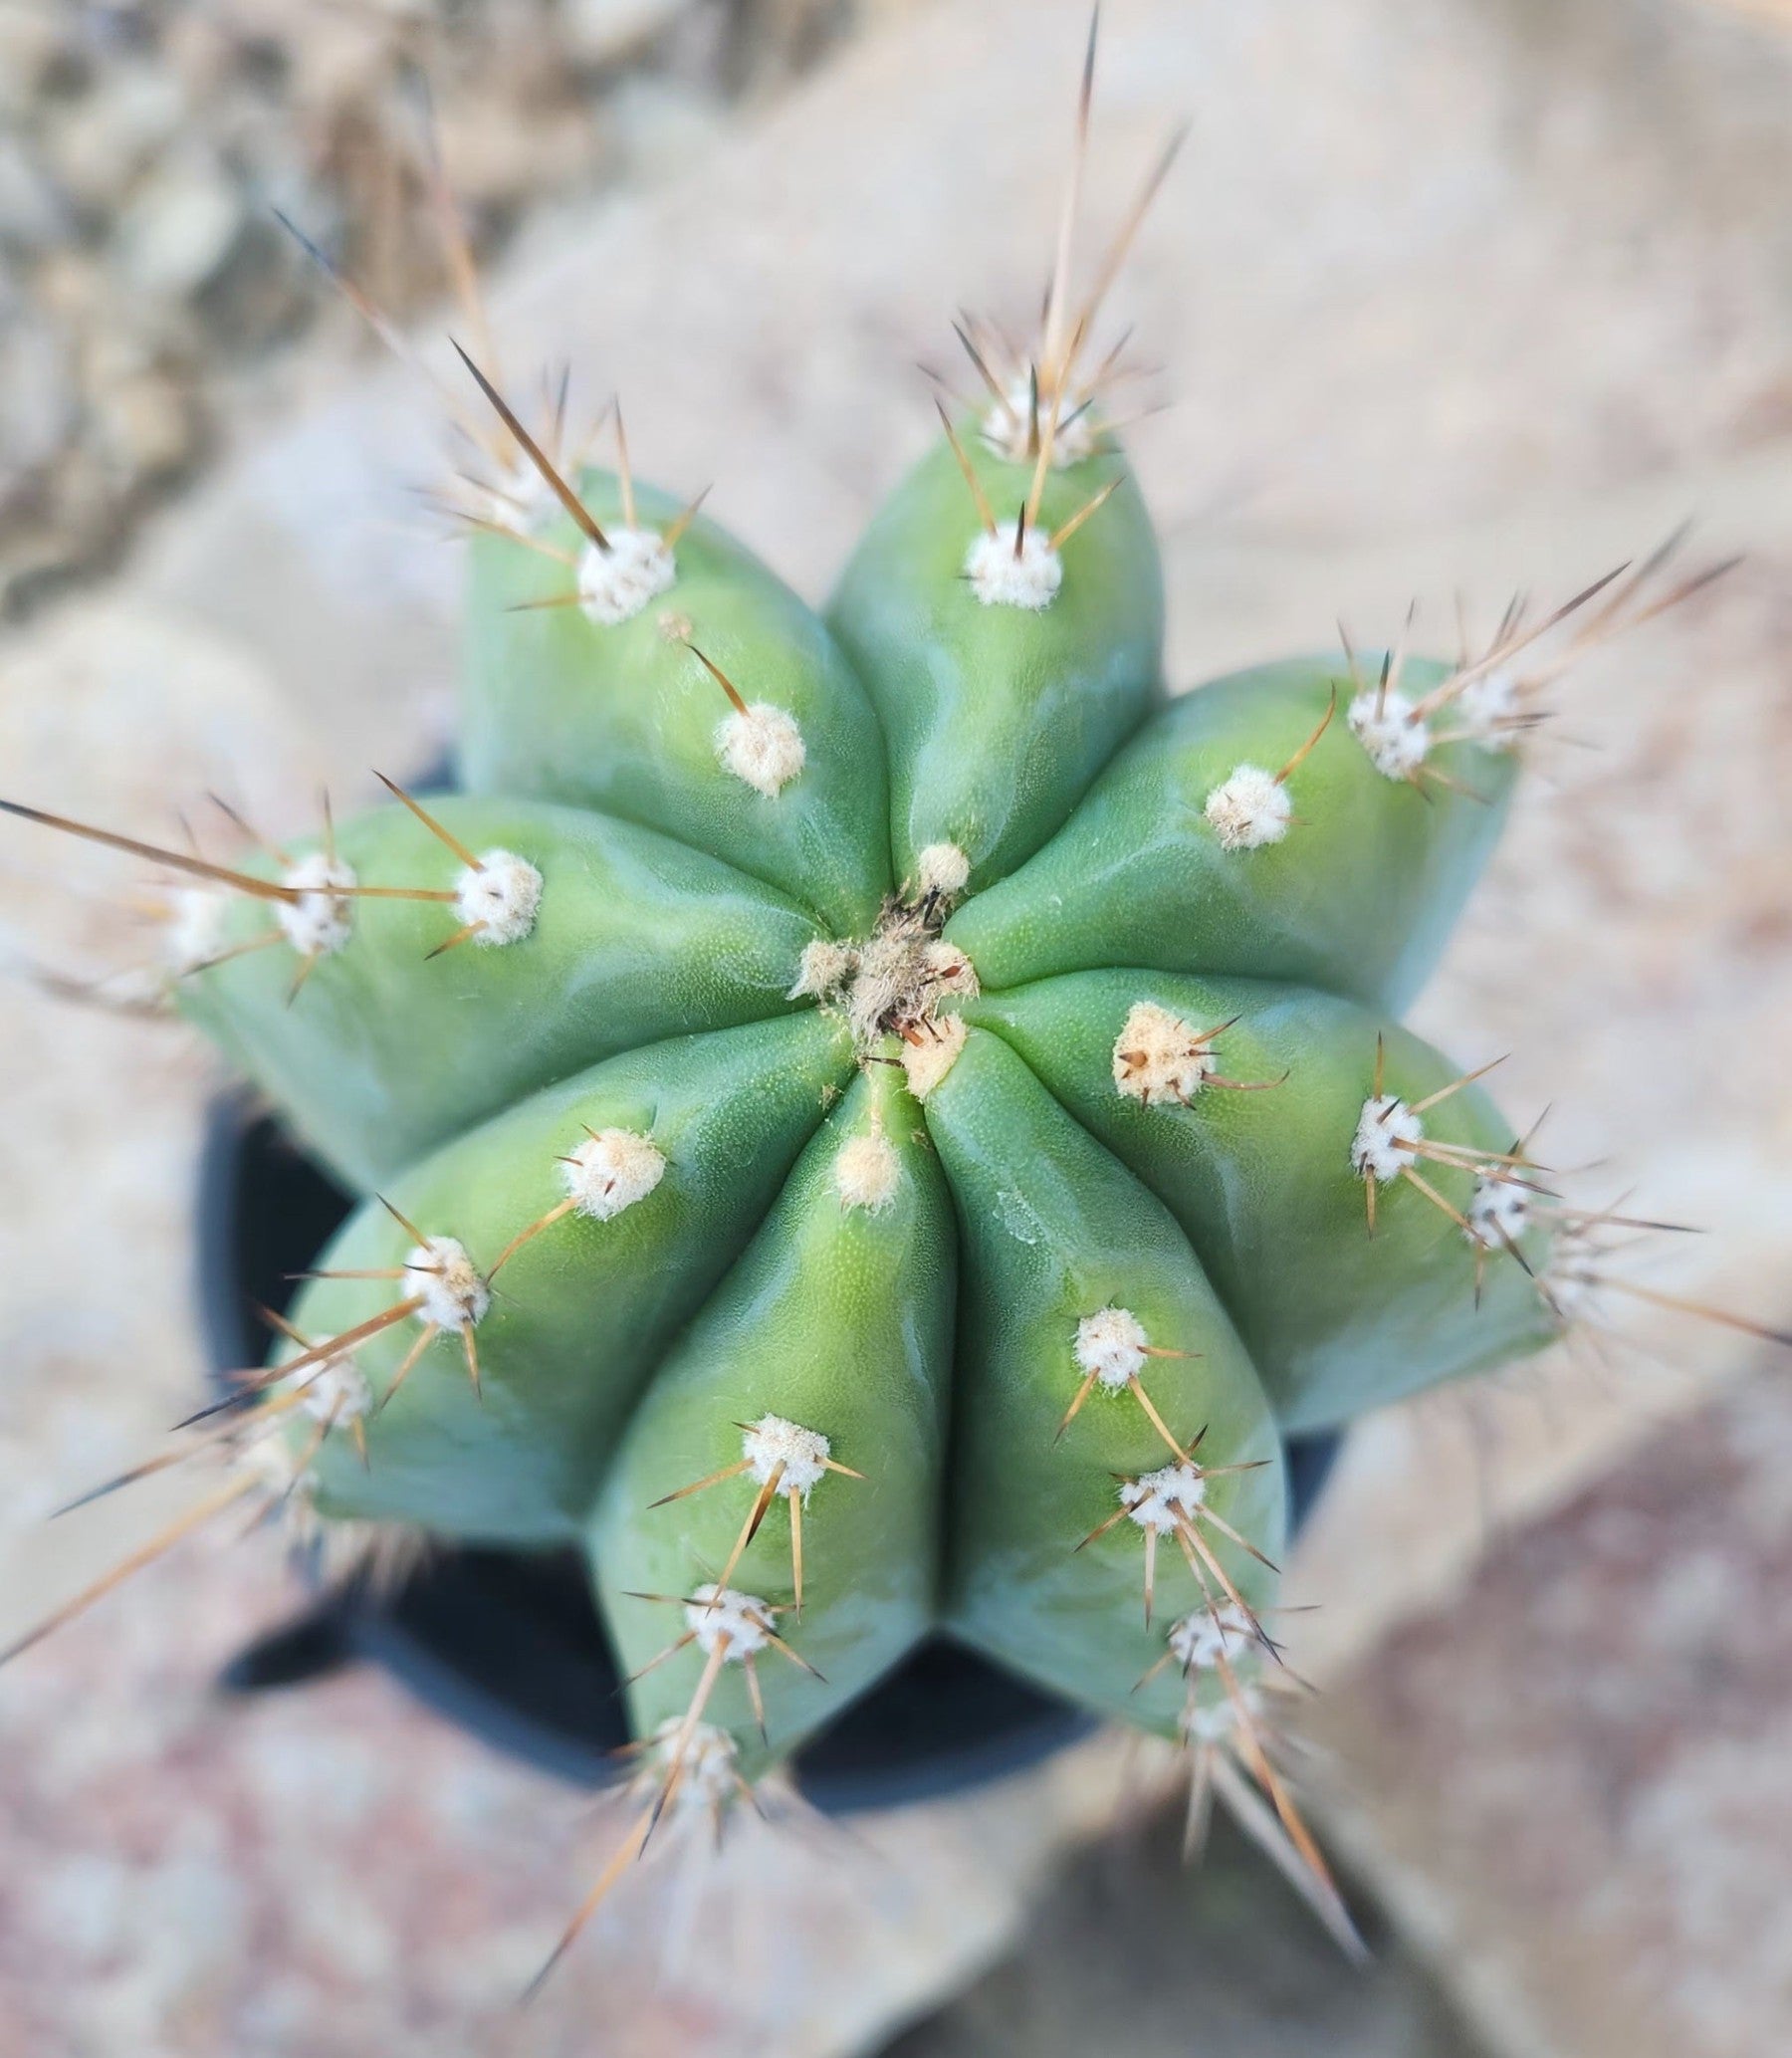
[880, 1121]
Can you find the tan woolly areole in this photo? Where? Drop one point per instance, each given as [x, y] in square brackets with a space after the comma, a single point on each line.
[501, 895]
[1001, 579]
[1111, 1344]
[1164, 1499]
[614, 584]
[823, 968]
[453, 1293]
[1379, 1149]
[721, 1617]
[786, 1451]
[866, 1170]
[612, 1171]
[1249, 810]
[1157, 1056]
[321, 920]
[943, 871]
[892, 983]
[928, 1061]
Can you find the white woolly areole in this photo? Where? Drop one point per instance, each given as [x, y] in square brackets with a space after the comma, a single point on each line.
[1216, 1721]
[1157, 1056]
[1498, 1212]
[321, 920]
[335, 1391]
[928, 1061]
[1009, 428]
[762, 747]
[501, 893]
[943, 869]
[797, 1455]
[1207, 1634]
[1487, 708]
[454, 1295]
[823, 970]
[272, 1463]
[1379, 1149]
[1165, 1498]
[193, 934]
[1248, 810]
[1000, 578]
[519, 499]
[617, 584]
[1111, 1344]
[706, 1764]
[721, 1617]
[612, 1171]
[866, 1170]
[1575, 1279]
[1388, 728]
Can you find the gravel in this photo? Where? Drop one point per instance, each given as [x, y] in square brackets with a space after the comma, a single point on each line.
[143, 149]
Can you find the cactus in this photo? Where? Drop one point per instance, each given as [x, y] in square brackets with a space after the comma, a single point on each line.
[883, 1120]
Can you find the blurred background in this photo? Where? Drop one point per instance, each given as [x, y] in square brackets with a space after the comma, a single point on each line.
[1446, 297]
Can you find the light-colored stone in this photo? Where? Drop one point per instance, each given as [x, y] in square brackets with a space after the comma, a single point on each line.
[181, 227]
[1574, 1787]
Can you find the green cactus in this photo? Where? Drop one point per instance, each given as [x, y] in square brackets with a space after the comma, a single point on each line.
[881, 1121]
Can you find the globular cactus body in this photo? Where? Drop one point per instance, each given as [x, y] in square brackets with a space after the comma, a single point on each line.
[913, 1193]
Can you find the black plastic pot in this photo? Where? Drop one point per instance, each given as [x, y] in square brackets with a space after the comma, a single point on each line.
[506, 1642]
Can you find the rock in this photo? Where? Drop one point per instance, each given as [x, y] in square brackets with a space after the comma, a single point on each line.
[37, 395]
[181, 228]
[34, 214]
[1575, 1786]
[34, 42]
[101, 143]
[606, 32]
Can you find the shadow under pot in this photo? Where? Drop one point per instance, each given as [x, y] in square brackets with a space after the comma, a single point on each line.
[506, 1644]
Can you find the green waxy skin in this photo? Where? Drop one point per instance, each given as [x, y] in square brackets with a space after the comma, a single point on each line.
[623, 717]
[961, 688]
[581, 1314]
[838, 1319]
[1053, 1230]
[1358, 898]
[931, 1334]
[1261, 1183]
[388, 1053]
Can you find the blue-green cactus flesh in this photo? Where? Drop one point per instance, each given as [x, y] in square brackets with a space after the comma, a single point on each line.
[878, 1127]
